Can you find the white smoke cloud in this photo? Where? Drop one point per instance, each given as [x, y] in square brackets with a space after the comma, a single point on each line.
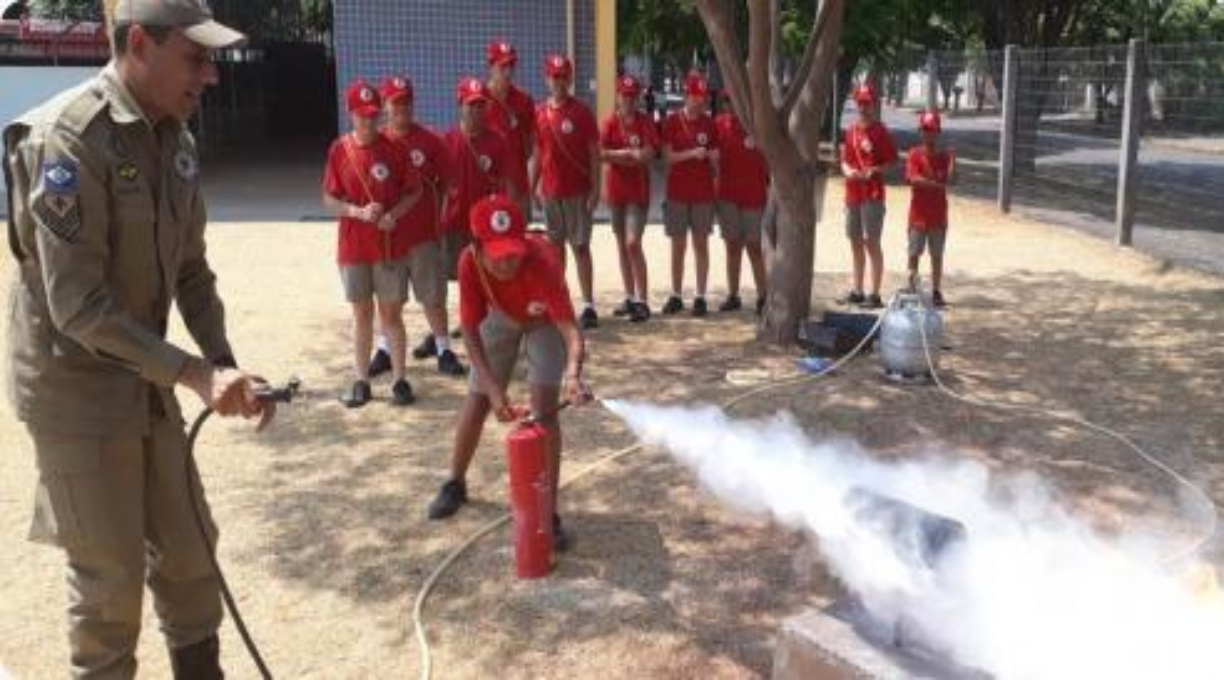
[1031, 593]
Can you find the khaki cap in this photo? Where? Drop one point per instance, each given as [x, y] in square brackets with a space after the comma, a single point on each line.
[194, 17]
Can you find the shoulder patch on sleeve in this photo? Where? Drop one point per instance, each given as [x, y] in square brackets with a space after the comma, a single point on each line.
[58, 205]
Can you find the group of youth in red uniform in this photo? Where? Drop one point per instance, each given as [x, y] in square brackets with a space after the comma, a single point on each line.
[868, 152]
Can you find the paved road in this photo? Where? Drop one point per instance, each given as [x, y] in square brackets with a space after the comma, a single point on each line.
[1180, 212]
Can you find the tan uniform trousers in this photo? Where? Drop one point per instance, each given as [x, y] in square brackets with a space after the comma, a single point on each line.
[120, 510]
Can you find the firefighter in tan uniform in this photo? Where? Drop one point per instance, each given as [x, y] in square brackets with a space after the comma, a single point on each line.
[107, 223]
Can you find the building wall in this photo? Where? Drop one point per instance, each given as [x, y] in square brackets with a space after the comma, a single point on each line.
[435, 42]
[25, 87]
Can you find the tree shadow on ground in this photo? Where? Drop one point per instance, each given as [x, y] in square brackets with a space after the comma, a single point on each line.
[658, 566]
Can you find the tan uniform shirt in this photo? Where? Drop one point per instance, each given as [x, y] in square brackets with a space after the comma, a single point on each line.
[108, 221]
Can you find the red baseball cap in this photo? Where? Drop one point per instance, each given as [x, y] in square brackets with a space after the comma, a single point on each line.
[865, 93]
[470, 90]
[501, 53]
[929, 121]
[695, 85]
[396, 88]
[497, 224]
[363, 99]
[558, 66]
[628, 85]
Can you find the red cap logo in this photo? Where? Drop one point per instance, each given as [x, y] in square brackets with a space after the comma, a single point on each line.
[558, 66]
[501, 54]
[498, 225]
[362, 100]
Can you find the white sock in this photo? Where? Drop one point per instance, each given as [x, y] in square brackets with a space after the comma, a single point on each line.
[383, 345]
[443, 343]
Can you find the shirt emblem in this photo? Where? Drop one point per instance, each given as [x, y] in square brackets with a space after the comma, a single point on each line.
[380, 172]
[417, 158]
[186, 165]
[567, 126]
[536, 308]
[635, 141]
[484, 162]
[499, 222]
[702, 139]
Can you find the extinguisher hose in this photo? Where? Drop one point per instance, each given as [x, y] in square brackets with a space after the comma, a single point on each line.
[418, 608]
[1208, 532]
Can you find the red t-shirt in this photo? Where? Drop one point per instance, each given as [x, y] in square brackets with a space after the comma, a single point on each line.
[565, 135]
[425, 154]
[478, 166]
[928, 205]
[628, 184]
[514, 120]
[743, 176]
[867, 147]
[360, 175]
[537, 293]
[691, 181]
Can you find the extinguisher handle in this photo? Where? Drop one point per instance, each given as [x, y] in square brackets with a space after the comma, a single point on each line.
[530, 418]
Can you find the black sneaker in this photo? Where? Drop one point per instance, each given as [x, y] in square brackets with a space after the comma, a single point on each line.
[562, 541]
[401, 393]
[699, 307]
[625, 309]
[358, 395]
[673, 305]
[427, 348]
[937, 299]
[379, 363]
[589, 319]
[854, 297]
[873, 301]
[448, 364]
[731, 304]
[760, 306]
[451, 496]
[640, 312]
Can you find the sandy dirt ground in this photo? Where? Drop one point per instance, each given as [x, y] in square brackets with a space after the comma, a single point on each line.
[323, 518]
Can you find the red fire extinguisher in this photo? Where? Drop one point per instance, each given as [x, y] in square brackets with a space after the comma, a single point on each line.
[531, 499]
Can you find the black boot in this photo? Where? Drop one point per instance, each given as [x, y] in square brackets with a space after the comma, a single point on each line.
[201, 661]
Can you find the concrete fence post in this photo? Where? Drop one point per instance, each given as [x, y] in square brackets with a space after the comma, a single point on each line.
[932, 81]
[1128, 159]
[1007, 129]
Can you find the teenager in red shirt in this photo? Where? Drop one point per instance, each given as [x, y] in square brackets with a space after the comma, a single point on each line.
[511, 113]
[743, 185]
[426, 155]
[867, 153]
[565, 178]
[368, 185]
[628, 141]
[929, 169]
[690, 152]
[479, 159]
[512, 299]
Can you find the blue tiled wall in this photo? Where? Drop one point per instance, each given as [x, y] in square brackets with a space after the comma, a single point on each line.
[436, 41]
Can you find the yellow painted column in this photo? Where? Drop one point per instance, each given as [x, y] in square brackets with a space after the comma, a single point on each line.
[605, 57]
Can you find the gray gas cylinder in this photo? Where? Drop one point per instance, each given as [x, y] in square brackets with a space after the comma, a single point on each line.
[900, 345]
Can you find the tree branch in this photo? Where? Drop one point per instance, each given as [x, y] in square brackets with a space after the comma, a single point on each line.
[813, 99]
[719, 23]
[805, 65]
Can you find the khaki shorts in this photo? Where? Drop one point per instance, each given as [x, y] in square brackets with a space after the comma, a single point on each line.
[385, 281]
[567, 219]
[865, 221]
[680, 217]
[628, 219]
[504, 339]
[742, 225]
[450, 244]
[920, 239]
[425, 274]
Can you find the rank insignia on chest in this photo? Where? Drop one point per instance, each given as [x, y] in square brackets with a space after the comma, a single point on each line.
[128, 171]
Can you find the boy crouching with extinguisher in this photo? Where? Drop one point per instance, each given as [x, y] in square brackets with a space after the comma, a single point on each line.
[512, 298]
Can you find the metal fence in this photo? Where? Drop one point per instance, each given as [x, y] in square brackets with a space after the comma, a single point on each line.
[1066, 150]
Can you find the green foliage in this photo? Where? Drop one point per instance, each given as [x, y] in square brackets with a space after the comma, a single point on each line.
[68, 10]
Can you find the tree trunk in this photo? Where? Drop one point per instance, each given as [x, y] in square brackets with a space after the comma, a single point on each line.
[792, 256]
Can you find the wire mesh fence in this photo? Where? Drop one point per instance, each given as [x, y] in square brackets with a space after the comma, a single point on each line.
[1068, 135]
